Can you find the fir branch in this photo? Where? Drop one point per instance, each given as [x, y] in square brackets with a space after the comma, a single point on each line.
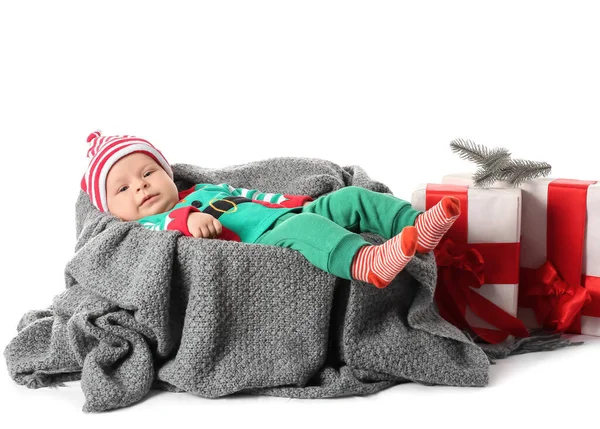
[484, 178]
[496, 159]
[496, 164]
[520, 170]
[470, 151]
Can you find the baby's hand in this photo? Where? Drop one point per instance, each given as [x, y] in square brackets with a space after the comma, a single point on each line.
[202, 225]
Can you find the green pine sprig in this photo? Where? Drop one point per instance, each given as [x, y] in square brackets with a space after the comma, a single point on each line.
[496, 159]
[520, 170]
[470, 151]
[484, 178]
[489, 159]
[496, 164]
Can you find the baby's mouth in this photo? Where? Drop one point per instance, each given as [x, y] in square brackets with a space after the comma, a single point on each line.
[149, 198]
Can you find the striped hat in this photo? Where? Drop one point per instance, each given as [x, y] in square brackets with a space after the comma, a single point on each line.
[104, 152]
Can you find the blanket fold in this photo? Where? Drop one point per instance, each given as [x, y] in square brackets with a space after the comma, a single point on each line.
[145, 309]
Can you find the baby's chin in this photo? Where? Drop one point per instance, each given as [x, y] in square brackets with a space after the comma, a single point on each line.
[158, 208]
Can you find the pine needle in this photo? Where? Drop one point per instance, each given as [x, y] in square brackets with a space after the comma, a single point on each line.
[520, 170]
[470, 151]
[484, 178]
[496, 159]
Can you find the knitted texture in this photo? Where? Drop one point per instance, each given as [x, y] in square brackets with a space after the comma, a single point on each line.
[145, 309]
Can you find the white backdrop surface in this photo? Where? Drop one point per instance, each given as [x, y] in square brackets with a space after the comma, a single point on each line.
[383, 85]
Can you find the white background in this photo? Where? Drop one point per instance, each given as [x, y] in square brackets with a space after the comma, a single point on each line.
[383, 85]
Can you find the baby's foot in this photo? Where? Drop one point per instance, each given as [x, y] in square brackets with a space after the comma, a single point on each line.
[435, 222]
[379, 265]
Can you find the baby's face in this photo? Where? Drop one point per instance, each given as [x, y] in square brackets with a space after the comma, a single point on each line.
[131, 180]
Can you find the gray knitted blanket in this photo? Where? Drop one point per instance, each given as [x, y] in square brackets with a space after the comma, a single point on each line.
[145, 309]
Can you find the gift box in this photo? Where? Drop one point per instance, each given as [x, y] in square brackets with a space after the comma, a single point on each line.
[560, 254]
[478, 260]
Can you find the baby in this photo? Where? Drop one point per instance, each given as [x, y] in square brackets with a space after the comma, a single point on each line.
[130, 179]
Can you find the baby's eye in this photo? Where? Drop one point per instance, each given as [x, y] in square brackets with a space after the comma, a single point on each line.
[148, 174]
[123, 188]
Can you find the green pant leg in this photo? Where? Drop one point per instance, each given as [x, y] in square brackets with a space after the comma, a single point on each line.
[321, 241]
[361, 210]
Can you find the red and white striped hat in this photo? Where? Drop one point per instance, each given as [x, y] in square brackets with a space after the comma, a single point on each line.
[104, 152]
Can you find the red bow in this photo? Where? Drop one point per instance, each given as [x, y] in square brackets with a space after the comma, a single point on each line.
[557, 302]
[459, 270]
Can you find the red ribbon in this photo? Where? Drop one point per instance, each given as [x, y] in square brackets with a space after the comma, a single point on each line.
[557, 291]
[556, 302]
[592, 285]
[461, 268]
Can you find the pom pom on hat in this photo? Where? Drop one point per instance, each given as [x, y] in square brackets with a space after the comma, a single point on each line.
[94, 135]
[104, 152]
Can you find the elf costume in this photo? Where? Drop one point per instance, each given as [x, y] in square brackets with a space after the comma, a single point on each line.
[323, 231]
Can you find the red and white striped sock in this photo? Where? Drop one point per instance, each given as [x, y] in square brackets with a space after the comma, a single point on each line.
[435, 222]
[379, 265]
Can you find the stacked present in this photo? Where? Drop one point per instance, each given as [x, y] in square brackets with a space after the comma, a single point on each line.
[478, 260]
[520, 256]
